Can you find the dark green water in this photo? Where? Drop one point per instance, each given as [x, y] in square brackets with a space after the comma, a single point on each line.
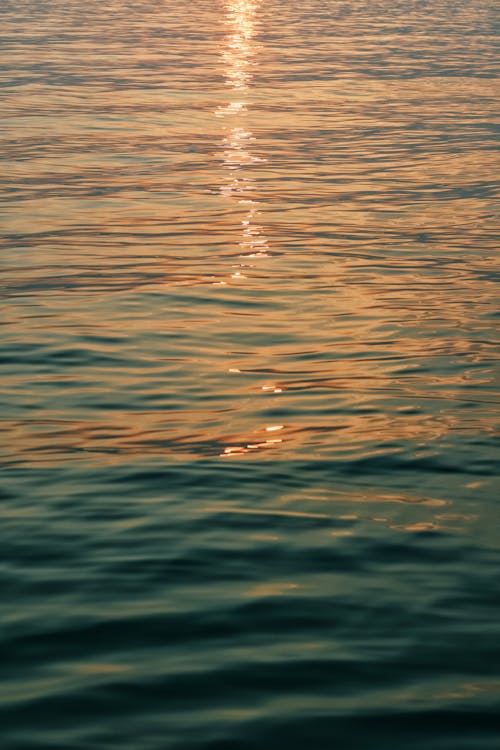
[249, 375]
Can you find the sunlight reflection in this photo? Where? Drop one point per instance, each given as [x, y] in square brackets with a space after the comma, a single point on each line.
[238, 60]
[249, 447]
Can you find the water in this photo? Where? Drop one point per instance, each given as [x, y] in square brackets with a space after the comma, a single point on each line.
[249, 375]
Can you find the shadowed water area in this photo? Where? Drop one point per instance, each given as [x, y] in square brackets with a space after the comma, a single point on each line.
[249, 375]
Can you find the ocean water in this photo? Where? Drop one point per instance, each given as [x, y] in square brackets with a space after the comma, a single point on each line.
[249, 375]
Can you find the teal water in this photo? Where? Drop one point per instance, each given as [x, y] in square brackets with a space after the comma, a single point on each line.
[249, 375]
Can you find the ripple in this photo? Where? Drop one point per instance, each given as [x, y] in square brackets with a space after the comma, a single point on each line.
[249, 375]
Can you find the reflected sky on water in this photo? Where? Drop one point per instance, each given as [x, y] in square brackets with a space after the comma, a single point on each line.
[249, 375]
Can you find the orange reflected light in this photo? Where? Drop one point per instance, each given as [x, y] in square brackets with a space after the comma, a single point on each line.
[238, 59]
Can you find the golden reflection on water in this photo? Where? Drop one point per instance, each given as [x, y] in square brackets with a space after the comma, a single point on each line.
[238, 56]
[368, 331]
[238, 53]
[248, 354]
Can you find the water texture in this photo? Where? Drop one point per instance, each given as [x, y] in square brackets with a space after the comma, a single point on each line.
[249, 375]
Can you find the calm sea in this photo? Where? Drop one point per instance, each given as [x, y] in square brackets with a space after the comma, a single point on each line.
[249, 375]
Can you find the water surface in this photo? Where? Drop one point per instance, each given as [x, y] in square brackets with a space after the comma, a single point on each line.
[249, 375]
